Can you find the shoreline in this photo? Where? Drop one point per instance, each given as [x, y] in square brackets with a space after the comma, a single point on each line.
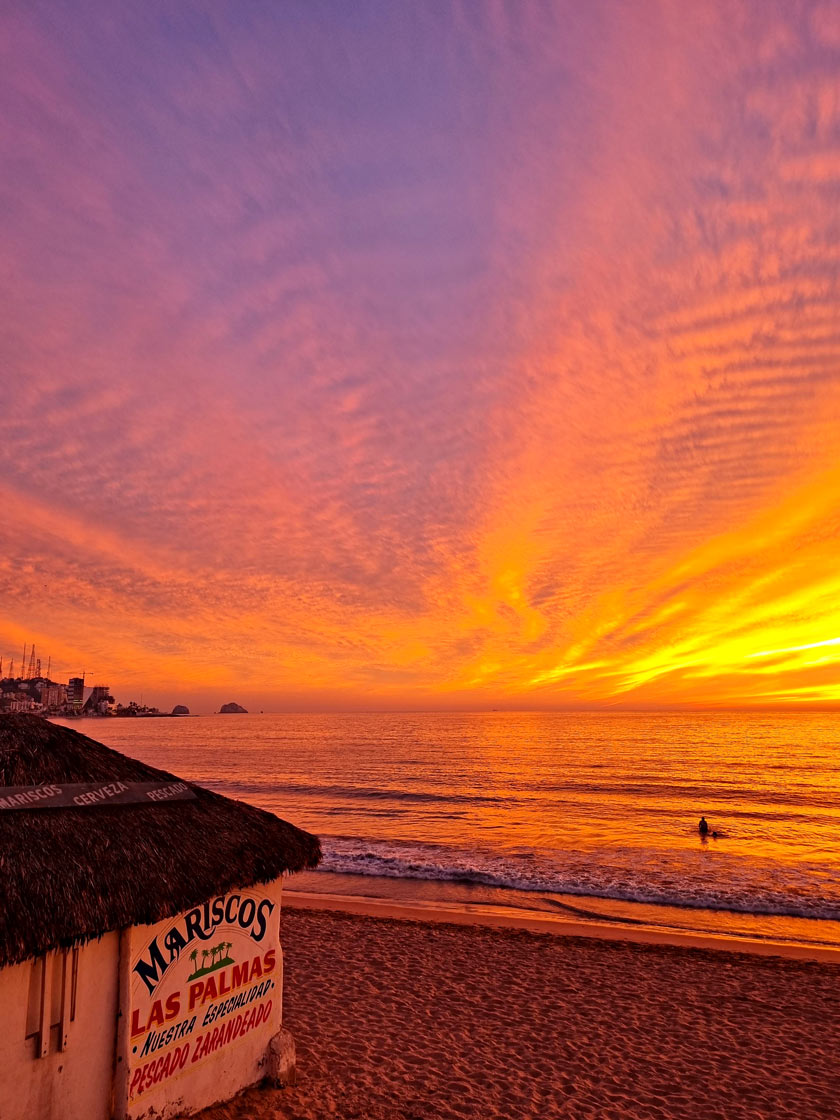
[415, 1016]
[499, 917]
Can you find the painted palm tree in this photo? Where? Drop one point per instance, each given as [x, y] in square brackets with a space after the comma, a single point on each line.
[204, 956]
[194, 958]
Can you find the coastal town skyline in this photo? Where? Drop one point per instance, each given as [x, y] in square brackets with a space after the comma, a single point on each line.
[34, 688]
[393, 357]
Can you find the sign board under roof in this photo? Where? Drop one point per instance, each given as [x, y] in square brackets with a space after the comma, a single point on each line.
[86, 795]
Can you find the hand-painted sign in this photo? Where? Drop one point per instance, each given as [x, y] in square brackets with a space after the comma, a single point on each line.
[243, 913]
[74, 795]
[200, 985]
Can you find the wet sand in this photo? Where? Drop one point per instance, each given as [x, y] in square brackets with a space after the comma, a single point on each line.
[403, 1020]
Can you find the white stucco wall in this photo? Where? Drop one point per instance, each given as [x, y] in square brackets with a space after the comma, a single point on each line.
[70, 1084]
[194, 1031]
[200, 999]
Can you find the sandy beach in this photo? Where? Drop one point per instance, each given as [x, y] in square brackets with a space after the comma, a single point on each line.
[404, 1020]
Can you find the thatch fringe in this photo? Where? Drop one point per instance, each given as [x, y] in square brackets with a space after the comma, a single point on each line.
[69, 875]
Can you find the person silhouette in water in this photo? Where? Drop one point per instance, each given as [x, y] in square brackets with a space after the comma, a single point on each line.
[703, 827]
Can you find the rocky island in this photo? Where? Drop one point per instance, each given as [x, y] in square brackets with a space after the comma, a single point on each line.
[232, 709]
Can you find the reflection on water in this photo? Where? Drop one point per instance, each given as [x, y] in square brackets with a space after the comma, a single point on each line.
[545, 810]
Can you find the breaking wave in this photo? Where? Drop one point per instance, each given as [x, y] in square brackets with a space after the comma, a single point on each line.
[629, 876]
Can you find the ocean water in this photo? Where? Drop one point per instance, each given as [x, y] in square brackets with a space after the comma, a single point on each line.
[584, 814]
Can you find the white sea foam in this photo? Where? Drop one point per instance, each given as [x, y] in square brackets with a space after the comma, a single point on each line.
[638, 877]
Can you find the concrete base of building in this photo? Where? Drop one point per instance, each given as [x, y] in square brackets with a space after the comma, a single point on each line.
[281, 1059]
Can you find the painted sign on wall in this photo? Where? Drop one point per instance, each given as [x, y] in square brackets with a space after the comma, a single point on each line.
[205, 990]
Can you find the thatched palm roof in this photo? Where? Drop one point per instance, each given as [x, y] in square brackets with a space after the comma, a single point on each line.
[69, 875]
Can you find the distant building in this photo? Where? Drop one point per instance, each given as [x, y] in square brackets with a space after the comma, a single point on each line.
[21, 702]
[53, 696]
[99, 700]
[76, 693]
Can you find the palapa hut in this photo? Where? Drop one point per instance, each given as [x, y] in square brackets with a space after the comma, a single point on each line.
[140, 964]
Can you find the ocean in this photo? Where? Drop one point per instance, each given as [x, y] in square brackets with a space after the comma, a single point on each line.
[579, 814]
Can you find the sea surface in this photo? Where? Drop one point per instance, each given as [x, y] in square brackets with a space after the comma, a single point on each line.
[577, 814]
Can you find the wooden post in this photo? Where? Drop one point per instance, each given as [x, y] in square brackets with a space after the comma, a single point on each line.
[66, 982]
[119, 1099]
[46, 1007]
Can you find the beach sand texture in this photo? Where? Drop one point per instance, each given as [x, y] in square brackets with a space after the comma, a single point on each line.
[398, 1020]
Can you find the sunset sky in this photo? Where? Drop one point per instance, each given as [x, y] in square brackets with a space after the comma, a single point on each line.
[422, 355]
